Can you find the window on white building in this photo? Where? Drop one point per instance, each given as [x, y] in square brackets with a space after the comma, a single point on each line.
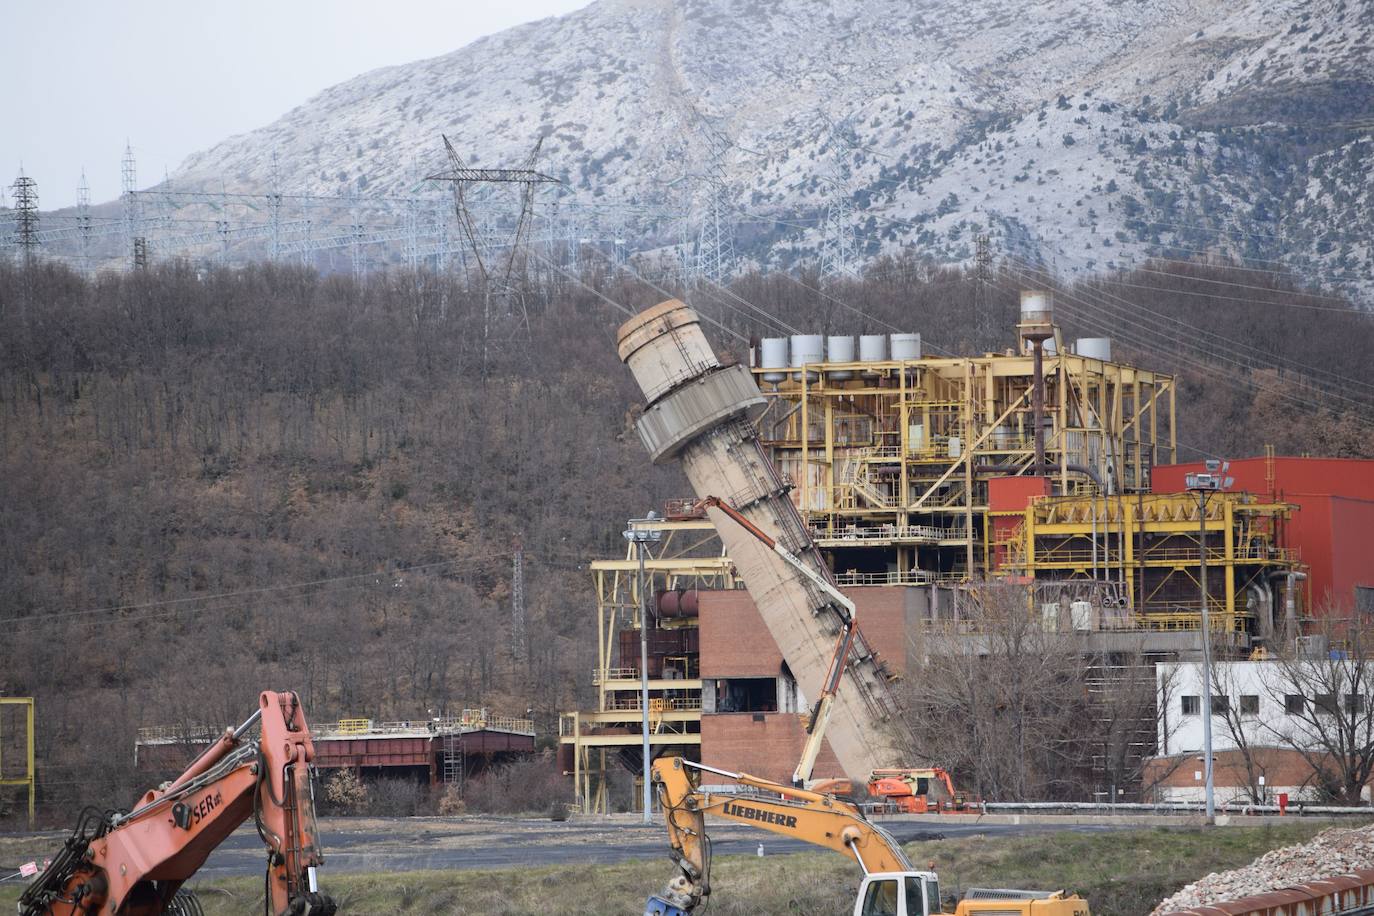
[1325, 703]
[1293, 704]
[1354, 704]
[1192, 706]
[1221, 705]
[1249, 704]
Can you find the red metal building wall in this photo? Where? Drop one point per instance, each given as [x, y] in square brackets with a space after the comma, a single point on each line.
[1332, 528]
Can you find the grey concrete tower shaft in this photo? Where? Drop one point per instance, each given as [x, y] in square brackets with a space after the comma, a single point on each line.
[701, 413]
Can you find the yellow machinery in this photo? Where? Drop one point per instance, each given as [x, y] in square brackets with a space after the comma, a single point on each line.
[1147, 545]
[891, 886]
[28, 780]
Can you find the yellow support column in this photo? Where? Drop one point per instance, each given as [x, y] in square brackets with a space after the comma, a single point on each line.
[28, 780]
[1229, 562]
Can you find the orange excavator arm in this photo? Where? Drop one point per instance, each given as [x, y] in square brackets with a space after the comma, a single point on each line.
[133, 863]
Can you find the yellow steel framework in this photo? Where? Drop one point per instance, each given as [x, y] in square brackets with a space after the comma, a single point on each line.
[896, 455]
[1148, 545]
[28, 780]
[689, 555]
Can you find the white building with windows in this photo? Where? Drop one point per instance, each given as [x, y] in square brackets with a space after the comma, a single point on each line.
[1272, 724]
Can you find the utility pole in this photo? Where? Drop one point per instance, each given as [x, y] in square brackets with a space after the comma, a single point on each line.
[1204, 485]
[517, 603]
[641, 533]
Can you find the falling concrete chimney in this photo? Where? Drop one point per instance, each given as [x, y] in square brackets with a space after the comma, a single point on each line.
[700, 413]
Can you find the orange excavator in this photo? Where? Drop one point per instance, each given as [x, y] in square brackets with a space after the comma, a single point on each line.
[919, 791]
[134, 863]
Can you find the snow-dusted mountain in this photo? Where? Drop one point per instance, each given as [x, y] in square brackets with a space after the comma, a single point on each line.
[1090, 132]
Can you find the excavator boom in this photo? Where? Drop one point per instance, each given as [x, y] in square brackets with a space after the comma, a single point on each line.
[134, 863]
[797, 813]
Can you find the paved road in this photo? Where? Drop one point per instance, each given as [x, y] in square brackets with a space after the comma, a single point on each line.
[380, 845]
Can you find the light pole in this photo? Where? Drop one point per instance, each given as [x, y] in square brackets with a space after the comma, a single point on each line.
[641, 533]
[1204, 485]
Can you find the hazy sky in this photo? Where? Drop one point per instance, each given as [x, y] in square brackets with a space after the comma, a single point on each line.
[175, 76]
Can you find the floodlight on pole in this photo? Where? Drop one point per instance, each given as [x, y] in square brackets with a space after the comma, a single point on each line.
[641, 532]
[1204, 485]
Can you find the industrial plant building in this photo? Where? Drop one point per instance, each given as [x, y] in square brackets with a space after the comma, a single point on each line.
[1049, 464]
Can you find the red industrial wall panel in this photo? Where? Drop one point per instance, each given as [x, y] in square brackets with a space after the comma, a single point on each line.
[1352, 546]
[372, 752]
[497, 743]
[1352, 477]
[1330, 526]
[1013, 494]
[762, 744]
[736, 643]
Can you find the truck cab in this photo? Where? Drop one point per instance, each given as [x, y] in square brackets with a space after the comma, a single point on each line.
[899, 893]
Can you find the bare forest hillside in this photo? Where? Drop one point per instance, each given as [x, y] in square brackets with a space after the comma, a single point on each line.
[214, 482]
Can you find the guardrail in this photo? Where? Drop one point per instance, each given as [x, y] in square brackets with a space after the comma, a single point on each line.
[470, 720]
[909, 577]
[889, 533]
[1294, 809]
[614, 674]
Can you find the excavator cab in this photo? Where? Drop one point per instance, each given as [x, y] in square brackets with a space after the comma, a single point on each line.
[899, 893]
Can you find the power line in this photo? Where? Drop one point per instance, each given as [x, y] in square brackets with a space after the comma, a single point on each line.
[1147, 333]
[239, 593]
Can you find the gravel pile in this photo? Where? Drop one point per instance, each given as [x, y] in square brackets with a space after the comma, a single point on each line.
[1331, 852]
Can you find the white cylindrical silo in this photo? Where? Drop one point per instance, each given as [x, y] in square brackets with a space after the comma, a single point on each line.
[872, 349]
[906, 346]
[807, 349]
[840, 349]
[773, 355]
[1095, 348]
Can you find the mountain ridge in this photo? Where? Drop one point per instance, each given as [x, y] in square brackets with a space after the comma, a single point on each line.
[901, 106]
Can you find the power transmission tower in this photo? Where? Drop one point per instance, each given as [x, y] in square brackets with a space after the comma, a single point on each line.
[24, 191]
[134, 243]
[982, 275]
[839, 245]
[496, 283]
[83, 220]
[716, 235]
[274, 203]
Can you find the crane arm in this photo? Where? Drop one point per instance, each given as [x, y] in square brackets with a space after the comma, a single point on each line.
[132, 864]
[809, 816]
[820, 712]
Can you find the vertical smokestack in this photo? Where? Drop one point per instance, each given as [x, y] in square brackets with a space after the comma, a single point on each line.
[1037, 326]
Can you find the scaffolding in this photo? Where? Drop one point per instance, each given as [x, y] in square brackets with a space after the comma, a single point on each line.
[595, 742]
[890, 459]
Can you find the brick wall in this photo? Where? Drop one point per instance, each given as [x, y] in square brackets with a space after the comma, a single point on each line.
[761, 744]
[735, 642]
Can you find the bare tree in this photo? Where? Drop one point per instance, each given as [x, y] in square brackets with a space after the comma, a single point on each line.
[1001, 706]
[1128, 700]
[1325, 681]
